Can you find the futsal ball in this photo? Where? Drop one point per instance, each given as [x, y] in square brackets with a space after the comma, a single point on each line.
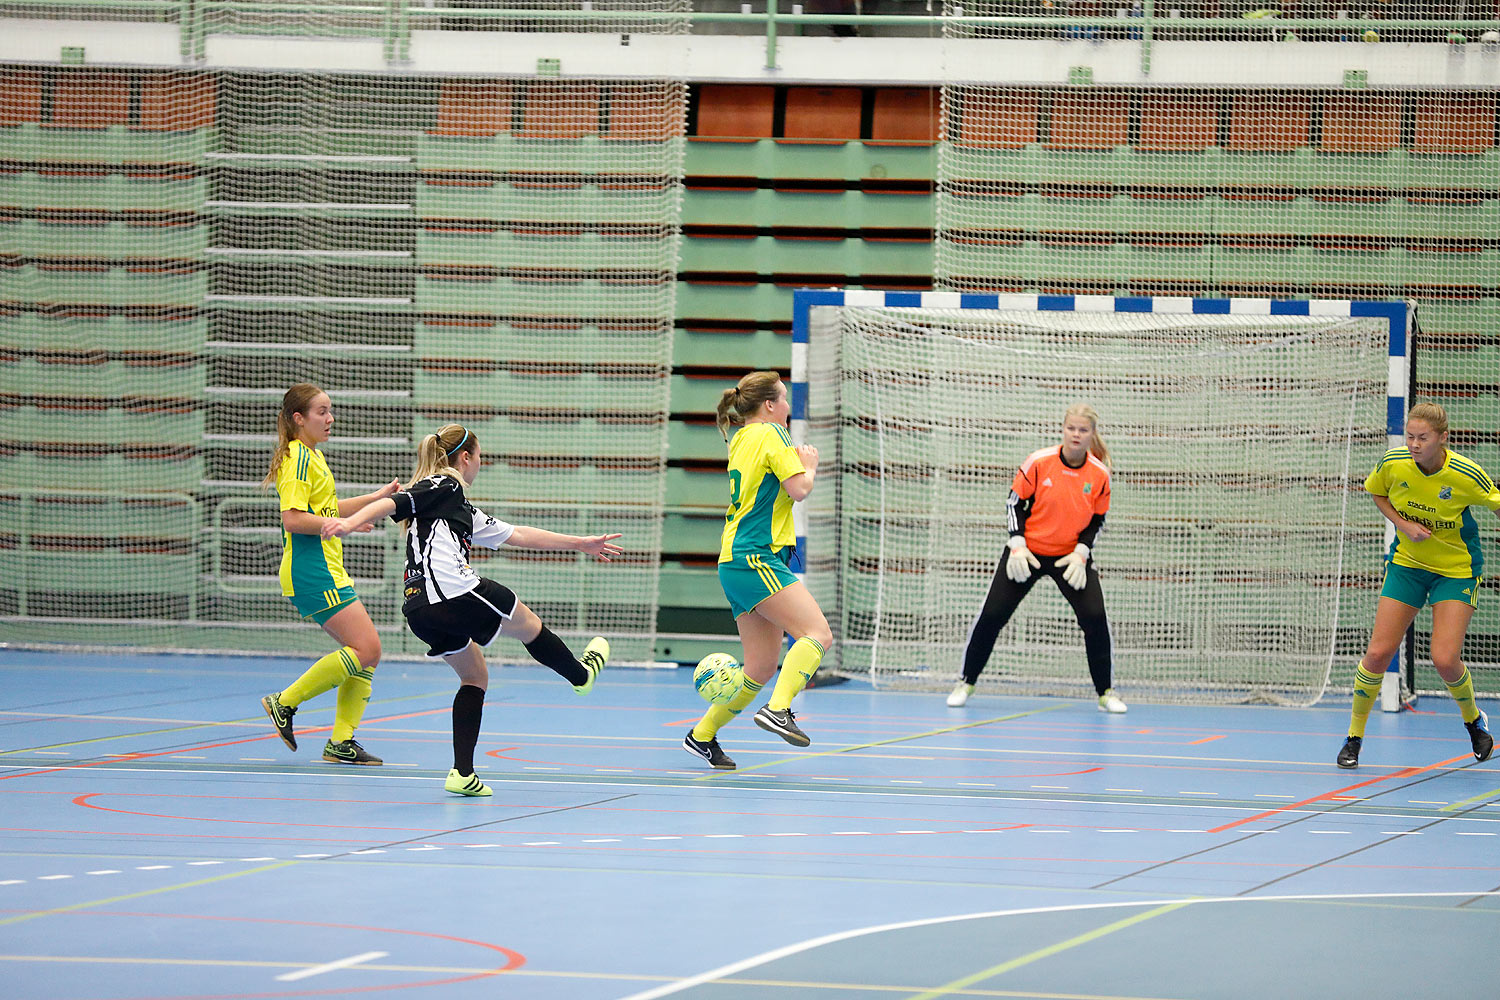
[718, 678]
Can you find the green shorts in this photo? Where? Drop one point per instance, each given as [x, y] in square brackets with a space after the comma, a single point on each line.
[749, 579]
[1418, 587]
[324, 604]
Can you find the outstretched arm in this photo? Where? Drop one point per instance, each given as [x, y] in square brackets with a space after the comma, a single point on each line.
[601, 547]
[354, 505]
[372, 511]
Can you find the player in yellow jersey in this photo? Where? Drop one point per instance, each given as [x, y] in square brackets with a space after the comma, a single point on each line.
[313, 577]
[1426, 491]
[766, 474]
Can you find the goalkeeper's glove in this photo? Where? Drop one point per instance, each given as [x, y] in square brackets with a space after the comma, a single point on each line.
[1074, 566]
[1020, 562]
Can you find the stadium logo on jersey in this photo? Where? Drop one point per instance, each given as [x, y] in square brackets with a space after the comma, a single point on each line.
[1446, 493]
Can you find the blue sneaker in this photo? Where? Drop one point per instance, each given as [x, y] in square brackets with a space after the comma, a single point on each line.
[1480, 738]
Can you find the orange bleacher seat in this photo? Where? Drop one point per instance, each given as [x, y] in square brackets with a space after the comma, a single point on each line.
[1089, 120]
[472, 109]
[646, 112]
[558, 110]
[1452, 123]
[1177, 123]
[177, 102]
[734, 113]
[822, 114]
[20, 96]
[1005, 121]
[1361, 123]
[1269, 122]
[90, 99]
[905, 116]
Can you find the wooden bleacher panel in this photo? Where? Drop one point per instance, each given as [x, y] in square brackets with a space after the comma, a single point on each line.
[20, 97]
[1089, 120]
[473, 109]
[822, 115]
[90, 99]
[555, 110]
[1361, 123]
[734, 113]
[646, 113]
[1007, 123]
[176, 102]
[1176, 123]
[1271, 122]
[1455, 124]
[905, 116]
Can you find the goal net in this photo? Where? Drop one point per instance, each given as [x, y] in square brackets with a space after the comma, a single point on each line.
[1234, 565]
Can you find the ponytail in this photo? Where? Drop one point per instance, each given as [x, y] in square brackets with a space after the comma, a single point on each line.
[295, 400]
[738, 404]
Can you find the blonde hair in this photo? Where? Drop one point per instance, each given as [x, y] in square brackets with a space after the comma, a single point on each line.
[1431, 414]
[295, 400]
[435, 452]
[740, 403]
[1096, 447]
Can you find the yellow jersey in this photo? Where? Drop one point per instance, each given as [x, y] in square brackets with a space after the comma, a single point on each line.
[1440, 503]
[761, 458]
[309, 564]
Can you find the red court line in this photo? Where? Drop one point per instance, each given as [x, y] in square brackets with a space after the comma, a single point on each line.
[1206, 739]
[1405, 772]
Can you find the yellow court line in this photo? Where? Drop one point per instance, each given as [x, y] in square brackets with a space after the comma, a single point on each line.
[1450, 807]
[21, 918]
[1040, 953]
[883, 743]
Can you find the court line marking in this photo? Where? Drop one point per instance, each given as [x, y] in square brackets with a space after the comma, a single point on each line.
[894, 739]
[1047, 952]
[334, 966]
[724, 971]
[1406, 772]
[1450, 807]
[59, 910]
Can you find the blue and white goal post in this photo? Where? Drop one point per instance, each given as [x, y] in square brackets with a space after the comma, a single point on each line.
[1241, 561]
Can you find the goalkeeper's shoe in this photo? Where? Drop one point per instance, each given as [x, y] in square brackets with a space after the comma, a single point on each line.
[1111, 703]
[1480, 738]
[281, 718]
[709, 751]
[1349, 754]
[594, 656]
[959, 696]
[460, 784]
[349, 752]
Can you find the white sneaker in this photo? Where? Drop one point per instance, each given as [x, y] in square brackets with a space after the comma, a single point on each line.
[1111, 703]
[959, 696]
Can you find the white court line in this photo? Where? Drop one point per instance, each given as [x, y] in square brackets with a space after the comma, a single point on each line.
[343, 963]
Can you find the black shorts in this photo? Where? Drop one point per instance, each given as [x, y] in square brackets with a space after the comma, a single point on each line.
[448, 626]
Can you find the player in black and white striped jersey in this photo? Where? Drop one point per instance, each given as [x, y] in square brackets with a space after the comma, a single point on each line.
[455, 610]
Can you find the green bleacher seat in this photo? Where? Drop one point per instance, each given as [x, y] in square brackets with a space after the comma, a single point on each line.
[112, 425]
[547, 294]
[116, 191]
[1461, 215]
[700, 441]
[148, 238]
[708, 347]
[113, 144]
[115, 472]
[104, 286]
[1324, 216]
[102, 572]
[1257, 216]
[541, 248]
[574, 198]
[755, 303]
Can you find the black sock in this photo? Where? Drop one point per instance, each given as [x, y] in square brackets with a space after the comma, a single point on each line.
[550, 651]
[468, 710]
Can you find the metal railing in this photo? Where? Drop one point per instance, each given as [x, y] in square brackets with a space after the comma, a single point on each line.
[393, 21]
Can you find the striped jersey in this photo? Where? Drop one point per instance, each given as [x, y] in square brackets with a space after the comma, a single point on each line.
[1440, 503]
[309, 564]
[1063, 499]
[761, 458]
[441, 531]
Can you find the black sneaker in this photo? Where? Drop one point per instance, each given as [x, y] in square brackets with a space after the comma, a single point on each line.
[710, 751]
[1349, 755]
[1480, 738]
[349, 752]
[783, 724]
[281, 718]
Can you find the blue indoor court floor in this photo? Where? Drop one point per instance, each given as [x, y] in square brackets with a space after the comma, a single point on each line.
[158, 841]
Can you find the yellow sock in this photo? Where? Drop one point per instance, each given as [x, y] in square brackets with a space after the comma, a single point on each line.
[796, 670]
[1463, 693]
[1366, 691]
[325, 675]
[354, 695]
[718, 716]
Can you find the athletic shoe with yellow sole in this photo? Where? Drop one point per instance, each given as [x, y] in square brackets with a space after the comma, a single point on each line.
[460, 784]
[349, 752]
[595, 654]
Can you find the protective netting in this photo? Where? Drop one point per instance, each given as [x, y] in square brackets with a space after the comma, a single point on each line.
[1290, 193]
[1234, 564]
[181, 247]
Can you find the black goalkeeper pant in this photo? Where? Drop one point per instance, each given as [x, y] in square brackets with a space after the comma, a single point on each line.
[1005, 595]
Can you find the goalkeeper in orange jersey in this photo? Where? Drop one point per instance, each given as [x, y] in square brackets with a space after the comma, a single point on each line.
[1057, 504]
[1426, 490]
